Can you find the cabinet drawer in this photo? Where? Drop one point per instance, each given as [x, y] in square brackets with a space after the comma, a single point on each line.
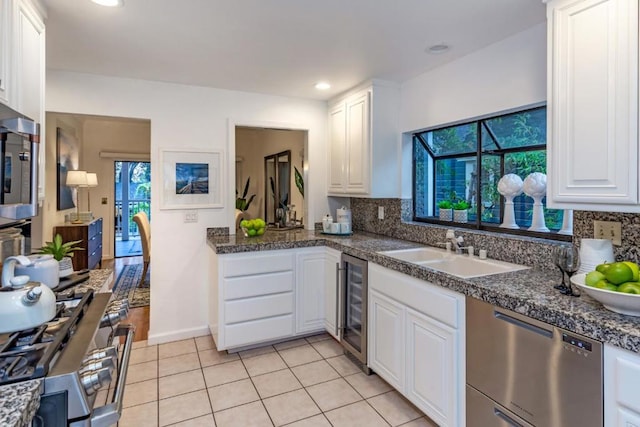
[257, 331]
[95, 228]
[95, 258]
[248, 264]
[424, 297]
[252, 286]
[94, 242]
[258, 308]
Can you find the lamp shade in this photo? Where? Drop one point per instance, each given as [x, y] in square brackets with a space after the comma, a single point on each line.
[92, 179]
[76, 178]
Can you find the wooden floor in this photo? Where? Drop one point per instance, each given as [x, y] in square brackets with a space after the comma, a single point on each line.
[137, 316]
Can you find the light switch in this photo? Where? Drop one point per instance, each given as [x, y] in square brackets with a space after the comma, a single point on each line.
[611, 230]
[104, 200]
[191, 216]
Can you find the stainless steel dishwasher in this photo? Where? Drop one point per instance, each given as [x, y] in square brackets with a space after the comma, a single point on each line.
[522, 372]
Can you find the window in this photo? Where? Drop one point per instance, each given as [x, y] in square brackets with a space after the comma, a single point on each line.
[464, 162]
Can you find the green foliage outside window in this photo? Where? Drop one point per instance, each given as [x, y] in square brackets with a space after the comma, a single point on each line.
[512, 143]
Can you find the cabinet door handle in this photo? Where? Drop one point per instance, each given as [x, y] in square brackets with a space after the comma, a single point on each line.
[523, 325]
[507, 419]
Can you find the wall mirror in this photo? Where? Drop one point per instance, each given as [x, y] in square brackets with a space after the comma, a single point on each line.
[277, 191]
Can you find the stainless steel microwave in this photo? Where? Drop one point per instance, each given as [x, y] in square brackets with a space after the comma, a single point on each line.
[19, 147]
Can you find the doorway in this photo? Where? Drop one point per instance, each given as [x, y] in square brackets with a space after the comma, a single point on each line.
[132, 190]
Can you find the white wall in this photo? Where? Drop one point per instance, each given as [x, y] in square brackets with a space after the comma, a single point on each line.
[505, 75]
[195, 117]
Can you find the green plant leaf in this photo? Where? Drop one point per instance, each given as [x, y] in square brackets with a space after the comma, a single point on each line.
[299, 180]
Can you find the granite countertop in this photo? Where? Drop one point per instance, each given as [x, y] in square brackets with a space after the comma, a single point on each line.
[529, 292]
[19, 402]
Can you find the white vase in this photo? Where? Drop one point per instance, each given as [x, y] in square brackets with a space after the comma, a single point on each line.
[567, 222]
[509, 220]
[460, 215]
[537, 220]
[445, 214]
[65, 266]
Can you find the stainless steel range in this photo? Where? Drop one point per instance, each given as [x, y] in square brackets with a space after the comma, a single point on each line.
[74, 355]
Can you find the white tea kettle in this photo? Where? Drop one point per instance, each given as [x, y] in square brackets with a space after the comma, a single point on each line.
[23, 304]
[43, 269]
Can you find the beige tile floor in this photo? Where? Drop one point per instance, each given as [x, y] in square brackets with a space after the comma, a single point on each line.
[302, 383]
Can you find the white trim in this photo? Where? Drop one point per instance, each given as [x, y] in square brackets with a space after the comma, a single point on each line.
[125, 156]
[181, 334]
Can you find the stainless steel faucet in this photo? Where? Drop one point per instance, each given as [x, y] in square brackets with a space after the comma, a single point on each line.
[455, 241]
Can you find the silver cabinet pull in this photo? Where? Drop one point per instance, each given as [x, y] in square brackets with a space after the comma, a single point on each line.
[504, 417]
[523, 325]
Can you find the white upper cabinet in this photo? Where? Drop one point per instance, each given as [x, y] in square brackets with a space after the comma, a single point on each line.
[593, 105]
[29, 60]
[364, 142]
[29, 79]
[5, 52]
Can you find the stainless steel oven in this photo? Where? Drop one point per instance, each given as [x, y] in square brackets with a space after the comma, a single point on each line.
[523, 373]
[19, 150]
[352, 305]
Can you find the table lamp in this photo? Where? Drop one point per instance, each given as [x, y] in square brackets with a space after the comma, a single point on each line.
[92, 181]
[77, 179]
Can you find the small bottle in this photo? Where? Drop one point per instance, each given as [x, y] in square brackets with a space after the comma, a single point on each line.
[482, 254]
[470, 251]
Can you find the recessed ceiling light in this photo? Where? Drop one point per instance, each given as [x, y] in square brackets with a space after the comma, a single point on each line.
[438, 48]
[323, 86]
[109, 3]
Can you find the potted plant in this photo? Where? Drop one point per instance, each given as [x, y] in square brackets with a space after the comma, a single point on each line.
[241, 202]
[445, 210]
[62, 252]
[460, 211]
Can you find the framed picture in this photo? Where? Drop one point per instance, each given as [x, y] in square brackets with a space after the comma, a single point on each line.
[68, 158]
[191, 179]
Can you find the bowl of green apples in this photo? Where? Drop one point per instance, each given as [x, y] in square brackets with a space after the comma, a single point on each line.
[615, 285]
[253, 227]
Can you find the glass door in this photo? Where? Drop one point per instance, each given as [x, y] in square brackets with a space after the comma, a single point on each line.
[132, 194]
[354, 331]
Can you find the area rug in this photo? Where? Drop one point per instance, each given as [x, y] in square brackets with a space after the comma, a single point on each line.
[127, 286]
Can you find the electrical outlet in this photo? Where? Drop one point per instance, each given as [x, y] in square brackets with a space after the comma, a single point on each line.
[191, 216]
[611, 230]
[380, 212]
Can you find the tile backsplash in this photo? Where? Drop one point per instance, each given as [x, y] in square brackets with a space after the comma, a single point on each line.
[398, 223]
[583, 229]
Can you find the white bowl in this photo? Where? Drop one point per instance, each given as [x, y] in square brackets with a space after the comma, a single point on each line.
[619, 302]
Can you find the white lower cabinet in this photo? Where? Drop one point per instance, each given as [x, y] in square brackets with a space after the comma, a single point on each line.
[430, 365]
[621, 394]
[416, 342]
[386, 318]
[259, 297]
[310, 282]
[331, 289]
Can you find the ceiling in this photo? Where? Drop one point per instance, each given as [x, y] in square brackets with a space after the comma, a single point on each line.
[280, 47]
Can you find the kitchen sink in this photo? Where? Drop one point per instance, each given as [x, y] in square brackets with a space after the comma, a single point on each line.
[462, 266]
[417, 255]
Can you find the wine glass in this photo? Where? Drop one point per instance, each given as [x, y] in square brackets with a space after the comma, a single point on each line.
[567, 259]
